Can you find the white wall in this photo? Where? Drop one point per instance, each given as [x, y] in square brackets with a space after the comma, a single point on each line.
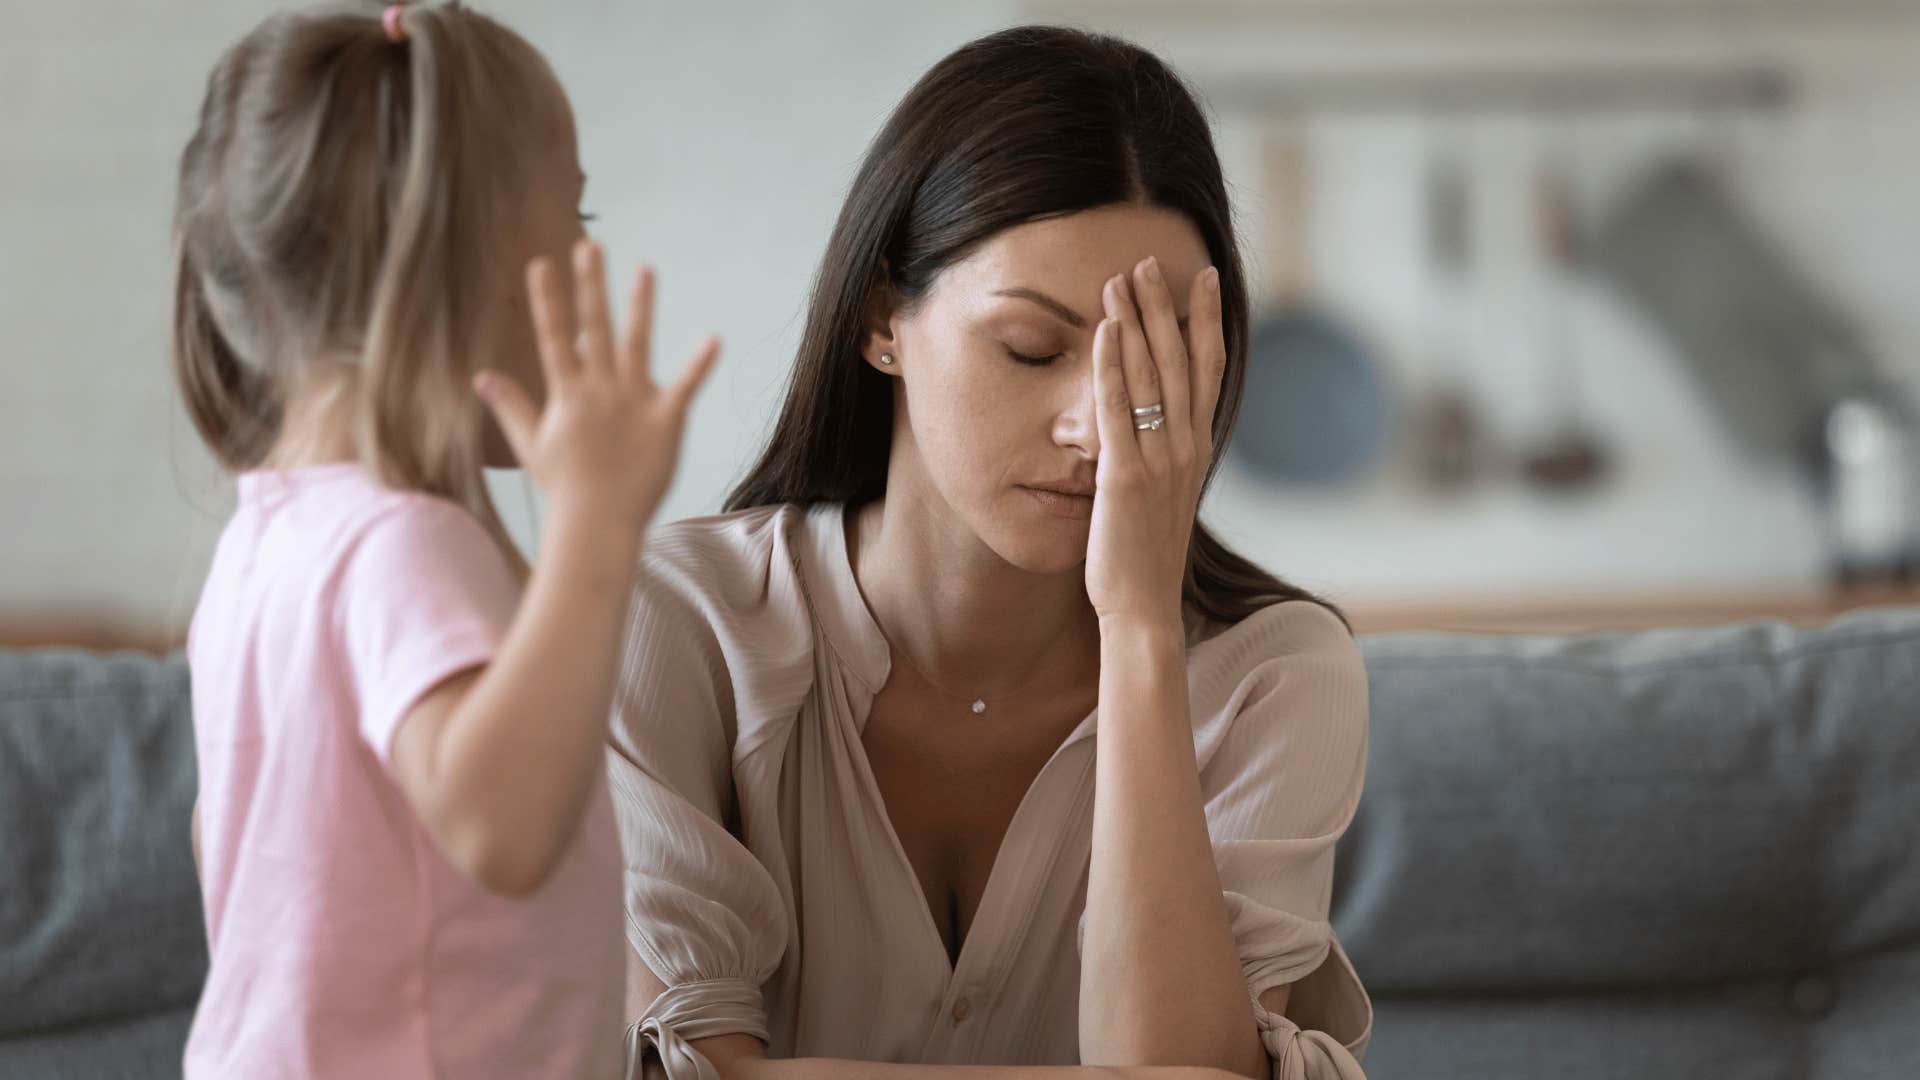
[719, 139]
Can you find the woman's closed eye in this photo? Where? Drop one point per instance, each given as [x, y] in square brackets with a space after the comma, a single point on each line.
[1031, 360]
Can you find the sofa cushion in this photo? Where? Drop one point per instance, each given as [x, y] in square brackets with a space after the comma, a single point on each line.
[1673, 853]
[1623, 809]
[100, 912]
[145, 1047]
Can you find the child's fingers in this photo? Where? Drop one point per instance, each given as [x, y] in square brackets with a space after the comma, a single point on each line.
[511, 408]
[552, 323]
[636, 346]
[590, 307]
[695, 375]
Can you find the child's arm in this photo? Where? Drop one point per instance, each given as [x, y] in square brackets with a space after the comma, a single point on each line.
[498, 761]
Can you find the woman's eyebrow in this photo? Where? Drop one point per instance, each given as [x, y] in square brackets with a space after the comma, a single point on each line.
[1066, 314]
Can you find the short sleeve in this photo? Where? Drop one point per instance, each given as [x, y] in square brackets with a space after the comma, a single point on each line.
[424, 594]
[1280, 789]
[702, 912]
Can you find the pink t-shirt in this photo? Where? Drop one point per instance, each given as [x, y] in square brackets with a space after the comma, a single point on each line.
[342, 943]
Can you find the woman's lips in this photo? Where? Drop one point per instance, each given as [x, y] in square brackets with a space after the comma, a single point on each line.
[1062, 504]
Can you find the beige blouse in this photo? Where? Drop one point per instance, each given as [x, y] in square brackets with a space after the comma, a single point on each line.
[764, 883]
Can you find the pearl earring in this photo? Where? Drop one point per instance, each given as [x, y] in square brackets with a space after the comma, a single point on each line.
[886, 358]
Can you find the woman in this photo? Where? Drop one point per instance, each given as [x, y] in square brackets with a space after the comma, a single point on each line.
[855, 757]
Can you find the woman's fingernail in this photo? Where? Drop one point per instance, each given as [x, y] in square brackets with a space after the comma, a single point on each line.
[1121, 282]
[1213, 280]
[1153, 269]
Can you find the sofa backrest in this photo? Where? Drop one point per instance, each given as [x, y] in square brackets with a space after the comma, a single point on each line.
[99, 906]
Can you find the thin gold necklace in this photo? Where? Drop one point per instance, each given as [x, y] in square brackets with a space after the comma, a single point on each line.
[979, 704]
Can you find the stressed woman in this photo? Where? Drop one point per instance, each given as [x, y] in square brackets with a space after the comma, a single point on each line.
[958, 740]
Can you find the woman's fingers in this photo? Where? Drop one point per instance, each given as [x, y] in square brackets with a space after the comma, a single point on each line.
[1169, 360]
[1112, 406]
[552, 322]
[636, 348]
[1136, 363]
[1207, 347]
[590, 307]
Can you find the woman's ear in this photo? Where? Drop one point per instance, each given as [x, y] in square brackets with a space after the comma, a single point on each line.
[879, 340]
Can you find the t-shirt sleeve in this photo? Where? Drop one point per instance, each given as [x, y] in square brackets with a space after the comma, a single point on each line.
[424, 595]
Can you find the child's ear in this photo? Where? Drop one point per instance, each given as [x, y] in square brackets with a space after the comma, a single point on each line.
[879, 343]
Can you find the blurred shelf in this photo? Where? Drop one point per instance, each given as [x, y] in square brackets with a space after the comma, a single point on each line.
[1497, 12]
[1559, 88]
[1579, 613]
[97, 633]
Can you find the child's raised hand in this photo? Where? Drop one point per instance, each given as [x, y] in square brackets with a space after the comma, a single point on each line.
[608, 439]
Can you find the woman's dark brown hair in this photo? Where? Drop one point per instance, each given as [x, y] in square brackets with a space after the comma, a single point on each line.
[1028, 123]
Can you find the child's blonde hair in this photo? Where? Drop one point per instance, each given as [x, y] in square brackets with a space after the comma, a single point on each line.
[344, 198]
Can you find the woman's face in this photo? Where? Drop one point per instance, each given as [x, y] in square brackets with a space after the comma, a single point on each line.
[994, 414]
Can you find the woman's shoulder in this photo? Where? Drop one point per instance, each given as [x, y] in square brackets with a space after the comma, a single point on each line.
[718, 547]
[1292, 628]
[730, 581]
[718, 612]
[1286, 663]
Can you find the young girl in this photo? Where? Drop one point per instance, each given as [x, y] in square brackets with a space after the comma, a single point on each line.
[408, 855]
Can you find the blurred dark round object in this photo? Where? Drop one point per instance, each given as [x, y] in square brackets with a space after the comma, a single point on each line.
[1573, 461]
[1317, 411]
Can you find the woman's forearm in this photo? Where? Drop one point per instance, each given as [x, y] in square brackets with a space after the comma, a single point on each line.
[831, 1069]
[743, 1057]
[1160, 978]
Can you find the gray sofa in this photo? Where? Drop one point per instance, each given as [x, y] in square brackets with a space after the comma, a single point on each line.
[1664, 854]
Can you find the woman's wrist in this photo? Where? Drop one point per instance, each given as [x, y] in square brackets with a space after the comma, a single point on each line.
[1142, 645]
[1135, 630]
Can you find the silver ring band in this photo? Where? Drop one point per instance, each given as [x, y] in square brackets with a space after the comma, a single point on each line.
[1154, 424]
[1145, 411]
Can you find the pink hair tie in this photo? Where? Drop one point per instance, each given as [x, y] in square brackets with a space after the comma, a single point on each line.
[390, 22]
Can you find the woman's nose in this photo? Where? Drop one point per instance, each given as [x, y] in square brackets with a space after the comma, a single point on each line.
[1074, 425]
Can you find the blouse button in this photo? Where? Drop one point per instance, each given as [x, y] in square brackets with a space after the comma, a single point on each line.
[961, 1010]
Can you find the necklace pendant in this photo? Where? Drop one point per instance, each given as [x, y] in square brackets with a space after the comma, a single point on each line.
[979, 706]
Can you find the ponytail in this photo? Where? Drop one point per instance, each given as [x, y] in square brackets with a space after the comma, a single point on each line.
[235, 407]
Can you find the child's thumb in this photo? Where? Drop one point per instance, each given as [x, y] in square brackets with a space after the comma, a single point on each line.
[511, 408]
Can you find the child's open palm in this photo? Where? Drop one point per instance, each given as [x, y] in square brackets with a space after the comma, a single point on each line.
[608, 439]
